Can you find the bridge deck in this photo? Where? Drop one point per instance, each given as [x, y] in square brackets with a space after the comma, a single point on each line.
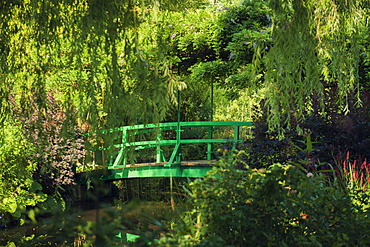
[191, 169]
[183, 163]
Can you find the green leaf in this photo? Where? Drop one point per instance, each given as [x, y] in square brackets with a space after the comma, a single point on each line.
[10, 244]
[309, 144]
[10, 204]
[35, 186]
[32, 216]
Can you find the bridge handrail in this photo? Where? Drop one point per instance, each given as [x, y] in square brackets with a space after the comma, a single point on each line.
[121, 158]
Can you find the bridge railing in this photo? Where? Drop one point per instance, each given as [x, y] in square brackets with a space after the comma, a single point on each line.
[127, 139]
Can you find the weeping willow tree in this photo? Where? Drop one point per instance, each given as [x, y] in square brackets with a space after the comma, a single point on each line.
[92, 56]
[102, 64]
[313, 42]
[76, 63]
[89, 54]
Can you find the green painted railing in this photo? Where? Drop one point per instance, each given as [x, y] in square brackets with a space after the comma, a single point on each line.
[128, 133]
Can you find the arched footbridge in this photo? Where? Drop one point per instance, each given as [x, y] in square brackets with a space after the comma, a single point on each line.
[127, 140]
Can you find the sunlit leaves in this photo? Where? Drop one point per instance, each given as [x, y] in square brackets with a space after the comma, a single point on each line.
[312, 41]
[17, 188]
[91, 54]
[105, 62]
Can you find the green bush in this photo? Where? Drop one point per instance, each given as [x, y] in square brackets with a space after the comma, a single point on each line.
[279, 206]
[17, 187]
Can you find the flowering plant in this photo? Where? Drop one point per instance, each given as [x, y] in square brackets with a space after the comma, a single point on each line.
[354, 174]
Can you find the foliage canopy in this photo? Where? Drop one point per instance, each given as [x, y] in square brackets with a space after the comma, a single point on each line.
[313, 41]
[99, 58]
[90, 54]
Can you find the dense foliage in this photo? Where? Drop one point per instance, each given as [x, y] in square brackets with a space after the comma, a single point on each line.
[93, 53]
[300, 68]
[324, 136]
[17, 187]
[68, 67]
[133, 51]
[313, 40]
[278, 206]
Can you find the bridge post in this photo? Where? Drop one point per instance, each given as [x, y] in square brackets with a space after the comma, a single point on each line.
[210, 145]
[236, 135]
[159, 156]
[178, 144]
[179, 130]
[176, 153]
[121, 158]
[124, 148]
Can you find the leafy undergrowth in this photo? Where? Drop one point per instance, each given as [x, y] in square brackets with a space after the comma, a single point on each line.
[95, 227]
[279, 206]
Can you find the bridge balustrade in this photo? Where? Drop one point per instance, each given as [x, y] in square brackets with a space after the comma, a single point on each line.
[127, 141]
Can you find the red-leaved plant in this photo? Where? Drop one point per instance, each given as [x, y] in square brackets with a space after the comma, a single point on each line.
[353, 174]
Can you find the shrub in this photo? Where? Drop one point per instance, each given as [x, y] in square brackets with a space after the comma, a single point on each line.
[279, 206]
[17, 188]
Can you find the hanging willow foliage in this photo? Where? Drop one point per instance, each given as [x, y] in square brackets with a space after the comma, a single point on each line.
[88, 54]
[313, 41]
[92, 56]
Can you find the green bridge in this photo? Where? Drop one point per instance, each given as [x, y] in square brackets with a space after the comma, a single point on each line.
[127, 140]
